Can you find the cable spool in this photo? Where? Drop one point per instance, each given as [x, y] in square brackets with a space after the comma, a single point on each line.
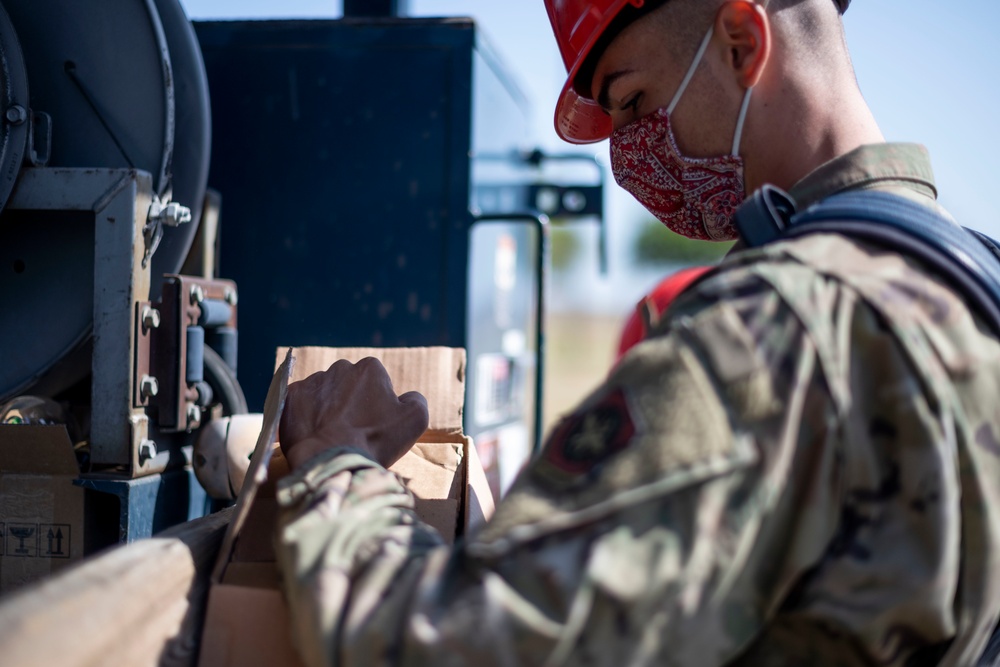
[124, 84]
[14, 120]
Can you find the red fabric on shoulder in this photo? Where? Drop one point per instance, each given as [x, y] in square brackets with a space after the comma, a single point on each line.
[658, 301]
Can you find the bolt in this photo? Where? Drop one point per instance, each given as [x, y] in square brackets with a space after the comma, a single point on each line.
[174, 214]
[193, 414]
[231, 297]
[150, 318]
[147, 451]
[197, 294]
[170, 214]
[16, 114]
[149, 386]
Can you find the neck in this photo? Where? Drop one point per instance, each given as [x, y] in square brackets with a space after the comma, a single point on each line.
[791, 133]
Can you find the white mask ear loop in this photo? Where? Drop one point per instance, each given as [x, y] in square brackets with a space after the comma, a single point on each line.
[738, 137]
[691, 70]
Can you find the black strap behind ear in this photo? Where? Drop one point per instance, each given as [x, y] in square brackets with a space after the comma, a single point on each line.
[764, 216]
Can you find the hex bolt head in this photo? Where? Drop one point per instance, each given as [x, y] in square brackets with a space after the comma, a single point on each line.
[231, 297]
[150, 318]
[147, 451]
[174, 215]
[193, 414]
[197, 294]
[16, 114]
[149, 386]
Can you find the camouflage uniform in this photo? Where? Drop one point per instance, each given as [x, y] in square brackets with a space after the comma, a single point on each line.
[799, 467]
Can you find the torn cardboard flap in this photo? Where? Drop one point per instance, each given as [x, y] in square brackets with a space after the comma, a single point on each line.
[274, 404]
[433, 472]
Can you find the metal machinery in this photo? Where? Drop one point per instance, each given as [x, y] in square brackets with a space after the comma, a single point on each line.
[104, 147]
[376, 167]
[374, 173]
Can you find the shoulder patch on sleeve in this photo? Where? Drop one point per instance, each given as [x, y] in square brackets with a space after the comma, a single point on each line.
[587, 438]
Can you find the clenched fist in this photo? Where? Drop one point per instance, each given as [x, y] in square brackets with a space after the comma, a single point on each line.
[351, 405]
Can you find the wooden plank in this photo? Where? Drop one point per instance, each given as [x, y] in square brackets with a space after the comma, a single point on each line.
[141, 604]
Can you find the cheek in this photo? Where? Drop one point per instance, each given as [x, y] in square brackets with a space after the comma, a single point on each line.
[704, 124]
[620, 119]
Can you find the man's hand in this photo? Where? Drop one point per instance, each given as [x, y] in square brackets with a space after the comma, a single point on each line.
[351, 405]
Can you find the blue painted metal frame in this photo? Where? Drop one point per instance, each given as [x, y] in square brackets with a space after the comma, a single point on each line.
[151, 504]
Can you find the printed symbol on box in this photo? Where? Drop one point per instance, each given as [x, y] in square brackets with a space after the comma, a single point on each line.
[56, 538]
[22, 540]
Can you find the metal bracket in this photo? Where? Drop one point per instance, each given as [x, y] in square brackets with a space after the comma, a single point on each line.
[161, 214]
[143, 511]
[187, 302]
[40, 139]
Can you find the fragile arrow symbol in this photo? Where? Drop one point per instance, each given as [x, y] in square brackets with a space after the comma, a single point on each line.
[57, 537]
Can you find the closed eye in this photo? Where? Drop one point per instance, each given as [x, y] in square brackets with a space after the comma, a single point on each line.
[632, 104]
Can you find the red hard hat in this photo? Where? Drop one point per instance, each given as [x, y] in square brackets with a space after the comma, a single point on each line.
[578, 24]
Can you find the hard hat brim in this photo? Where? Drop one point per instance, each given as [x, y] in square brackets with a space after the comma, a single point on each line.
[579, 120]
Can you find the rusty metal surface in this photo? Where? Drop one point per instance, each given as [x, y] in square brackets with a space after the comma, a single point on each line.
[120, 283]
[145, 325]
[179, 309]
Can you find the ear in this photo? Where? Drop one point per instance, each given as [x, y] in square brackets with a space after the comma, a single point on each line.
[745, 31]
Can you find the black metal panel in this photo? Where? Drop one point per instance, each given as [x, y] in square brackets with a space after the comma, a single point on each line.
[375, 7]
[341, 149]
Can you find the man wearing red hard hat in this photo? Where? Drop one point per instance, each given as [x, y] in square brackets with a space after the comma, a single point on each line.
[798, 466]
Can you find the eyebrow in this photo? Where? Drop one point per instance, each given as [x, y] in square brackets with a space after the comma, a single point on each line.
[602, 97]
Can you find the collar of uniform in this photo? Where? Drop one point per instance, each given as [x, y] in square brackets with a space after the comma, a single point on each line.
[872, 167]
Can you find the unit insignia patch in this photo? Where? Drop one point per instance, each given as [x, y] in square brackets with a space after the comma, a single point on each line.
[587, 438]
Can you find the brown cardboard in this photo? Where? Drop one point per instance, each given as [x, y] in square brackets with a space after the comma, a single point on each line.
[436, 372]
[439, 374]
[41, 511]
[247, 621]
[256, 475]
[432, 472]
[247, 626]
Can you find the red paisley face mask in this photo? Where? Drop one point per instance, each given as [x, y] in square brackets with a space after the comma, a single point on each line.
[695, 197]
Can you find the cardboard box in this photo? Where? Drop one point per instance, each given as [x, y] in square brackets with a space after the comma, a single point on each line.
[41, 511]
[247, 621]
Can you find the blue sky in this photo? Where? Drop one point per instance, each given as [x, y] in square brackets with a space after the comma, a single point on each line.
[926, 69]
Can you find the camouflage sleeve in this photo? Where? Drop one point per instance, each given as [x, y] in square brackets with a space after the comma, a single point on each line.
[664, 522]
[798, 469]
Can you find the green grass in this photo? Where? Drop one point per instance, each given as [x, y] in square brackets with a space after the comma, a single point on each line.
[655, 244]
